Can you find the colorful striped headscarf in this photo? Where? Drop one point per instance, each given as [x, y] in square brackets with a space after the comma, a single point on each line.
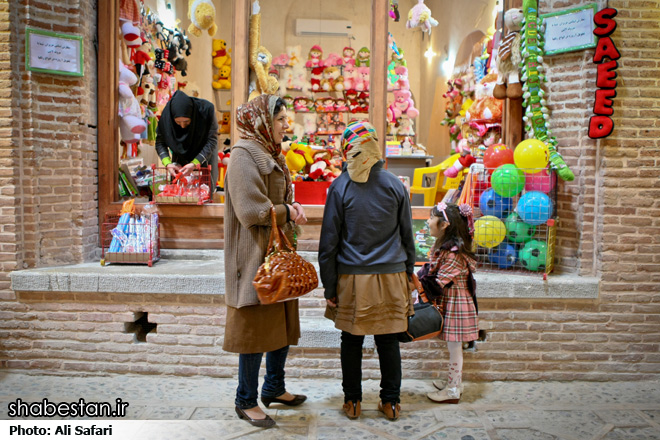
[359, 144]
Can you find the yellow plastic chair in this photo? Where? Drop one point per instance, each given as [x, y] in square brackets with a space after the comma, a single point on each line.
[430, 192]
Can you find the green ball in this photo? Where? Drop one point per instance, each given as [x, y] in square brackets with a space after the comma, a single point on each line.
[508, 180]
[533, 255]
[517, 230]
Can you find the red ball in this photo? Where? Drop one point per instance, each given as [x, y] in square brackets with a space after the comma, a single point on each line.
[497, 155]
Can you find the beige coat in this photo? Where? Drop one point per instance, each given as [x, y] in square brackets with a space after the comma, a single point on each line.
[254, 183]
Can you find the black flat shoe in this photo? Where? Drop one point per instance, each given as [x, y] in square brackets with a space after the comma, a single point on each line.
[259, 423]
[297, 400]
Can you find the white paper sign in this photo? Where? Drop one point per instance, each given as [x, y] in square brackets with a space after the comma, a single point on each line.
[55, 53]
[568, 32]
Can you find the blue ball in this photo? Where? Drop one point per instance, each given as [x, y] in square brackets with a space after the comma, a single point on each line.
[535, 208]
[504, 255]
[491, 203]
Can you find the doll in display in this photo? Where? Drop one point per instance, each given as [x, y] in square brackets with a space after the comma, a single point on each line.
[340, 105]
[318, 105]
[314, 58]
[348, 56]
[329, 104]
[509, 57]
[363, 58]
[350, 76]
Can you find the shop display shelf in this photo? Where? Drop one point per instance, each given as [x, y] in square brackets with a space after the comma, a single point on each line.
[130, 239]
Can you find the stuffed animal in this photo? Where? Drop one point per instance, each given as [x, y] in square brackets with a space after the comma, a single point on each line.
[350, 76]
[225, 123]
[314, 58]
[485, 105]
[309, 123]
[362, 79]
[333, 60]
[259, 59]
[352, 98]
[508, 58]
[332, 80]
[340, 105]
[220, 53]
[420, 15]
[348, 56]
[363, 101]
[316, 76]
[131, 123]
[363, 57]
[202, 17]
[464, 161]
[223, 78]
[402, 78]
[141, 56]
[175, 54]
[281, 60]
[301, 104]
[293, 53]
[402, 105]
[406, 127]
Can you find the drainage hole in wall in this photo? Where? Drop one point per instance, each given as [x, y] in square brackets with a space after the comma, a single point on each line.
[140, 326]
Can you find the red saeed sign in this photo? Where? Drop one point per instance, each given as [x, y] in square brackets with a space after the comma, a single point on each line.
[601, 125]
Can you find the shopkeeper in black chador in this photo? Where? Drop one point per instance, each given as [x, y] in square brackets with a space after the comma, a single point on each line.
[188, 128]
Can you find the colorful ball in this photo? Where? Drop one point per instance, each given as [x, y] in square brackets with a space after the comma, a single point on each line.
[503, 255]
[517, 230]
[533, 255]
[479, 186]
[543, 181]
[489, 231]
[535, 208]
[531, 155]
[497, 155]
[492, 203]
[508, 180]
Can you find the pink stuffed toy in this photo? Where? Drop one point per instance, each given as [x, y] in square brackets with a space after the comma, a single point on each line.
[131, 123]
[350, 75]
[402, 105]
[362, 80]
[348, 55]
[314, 58]
[462, 162]
[402, 73]
[333, 60]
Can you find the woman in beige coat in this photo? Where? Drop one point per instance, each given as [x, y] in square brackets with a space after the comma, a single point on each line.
[258, 178]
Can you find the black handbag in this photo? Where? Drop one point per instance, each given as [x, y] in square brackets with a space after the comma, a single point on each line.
[427, 321]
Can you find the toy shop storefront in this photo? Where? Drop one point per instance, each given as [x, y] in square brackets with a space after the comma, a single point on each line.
[425, 83]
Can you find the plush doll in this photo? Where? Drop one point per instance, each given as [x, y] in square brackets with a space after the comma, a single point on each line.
[141, 56]
[329, 104]
[314, 58]
[363, 101]
[406, 127]
[333, 60]
[350, 76]
[309, 123]
[508, 58]
[202, 17]
[332, 80]
[402, 78]
[223, 78]
[288, 100]
[225, 123]
[318, 105]
[281, 60]
[221, 55]
[420, 15]
[299, 78]
[301, 104]
[295, 159]
[176, 51]
[131, 123]
[402, 105]
[352, 98]
[340, 105]
[315, 81]
[348, 56]
[293, 54]
[362, 79]
[464, 161]
[259, 59]
[398, 58]
[363, 57]
[394, 12]
[485, 105]
[317, 169]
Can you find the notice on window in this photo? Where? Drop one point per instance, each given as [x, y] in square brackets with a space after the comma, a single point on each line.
[569, 31]
[54, 53]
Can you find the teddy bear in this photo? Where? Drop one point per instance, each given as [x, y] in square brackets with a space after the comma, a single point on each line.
[508, 58]
[348, 56]
[333, 60]
[406, 127]
[363, 57]
[332, 80]
[362, 79]
[281, 60]
[131, 123]
[402, 105]
[402, 78]
[350, 75]
[259, 59]
[202, 17]
[485, 105]
[314, 57]
[420, 15]
[221, 55]
[224, 122]
[223, 79]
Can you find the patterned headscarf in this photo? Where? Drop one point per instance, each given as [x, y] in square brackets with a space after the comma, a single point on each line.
[359, 144]
[254, 120]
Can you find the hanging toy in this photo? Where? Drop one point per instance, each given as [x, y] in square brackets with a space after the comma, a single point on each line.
[537, 118]
[420, 15]
[394, 10]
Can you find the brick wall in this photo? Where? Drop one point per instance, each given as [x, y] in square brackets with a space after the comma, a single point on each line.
[609, 227]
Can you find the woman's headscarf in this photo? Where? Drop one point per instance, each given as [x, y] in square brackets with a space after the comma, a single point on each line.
[254, 121]
[359, 144]
[186, 142]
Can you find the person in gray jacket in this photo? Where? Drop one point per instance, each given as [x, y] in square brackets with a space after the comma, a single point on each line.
[366, 258]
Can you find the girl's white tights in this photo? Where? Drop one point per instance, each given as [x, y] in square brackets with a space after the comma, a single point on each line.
[455, 364]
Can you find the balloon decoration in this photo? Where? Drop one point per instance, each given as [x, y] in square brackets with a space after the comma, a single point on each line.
[533, 255]
[537, 117]
[497, 155]
[535, 208]
[491, 203]
[531, 155]
[503, 255]
[517, 230]
[508, 180]
[489, 231]
[544, 181]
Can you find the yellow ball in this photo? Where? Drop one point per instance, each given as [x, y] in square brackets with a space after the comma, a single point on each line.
[489, 231]
[531, 156]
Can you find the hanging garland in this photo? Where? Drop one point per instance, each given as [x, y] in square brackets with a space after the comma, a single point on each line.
[537, 117]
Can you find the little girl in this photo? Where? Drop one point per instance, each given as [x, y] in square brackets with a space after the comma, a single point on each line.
[452, 255]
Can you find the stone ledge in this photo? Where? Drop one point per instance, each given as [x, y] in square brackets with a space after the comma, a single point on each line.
[178, 273]
[321, 333]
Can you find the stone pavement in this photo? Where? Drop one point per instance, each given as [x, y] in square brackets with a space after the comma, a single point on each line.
[202, 408]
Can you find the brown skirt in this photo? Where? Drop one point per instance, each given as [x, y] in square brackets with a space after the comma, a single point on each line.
[260, 329]
[372, 304]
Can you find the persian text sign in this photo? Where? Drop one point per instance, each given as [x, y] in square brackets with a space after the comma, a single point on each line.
[52, 52]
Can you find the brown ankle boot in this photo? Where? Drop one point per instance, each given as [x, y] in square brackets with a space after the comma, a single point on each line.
[352, 409]
[391, 410]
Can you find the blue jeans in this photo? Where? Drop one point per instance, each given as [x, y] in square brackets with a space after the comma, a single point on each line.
[248, 377]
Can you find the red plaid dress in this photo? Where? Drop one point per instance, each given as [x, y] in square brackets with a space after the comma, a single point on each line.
[461, 321]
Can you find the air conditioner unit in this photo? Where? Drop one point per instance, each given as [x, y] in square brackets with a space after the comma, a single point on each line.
[327, 28]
